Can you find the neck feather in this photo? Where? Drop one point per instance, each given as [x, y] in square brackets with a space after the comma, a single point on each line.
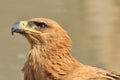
[53, 62]
[52, 59]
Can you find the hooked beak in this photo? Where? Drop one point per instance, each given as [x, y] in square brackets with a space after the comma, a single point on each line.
[18, 27]
[21, 27]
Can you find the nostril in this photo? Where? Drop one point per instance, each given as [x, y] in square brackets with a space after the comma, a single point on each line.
[23, 24]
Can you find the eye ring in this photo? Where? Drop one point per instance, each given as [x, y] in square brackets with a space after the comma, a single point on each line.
[42, 25]
[39, 24]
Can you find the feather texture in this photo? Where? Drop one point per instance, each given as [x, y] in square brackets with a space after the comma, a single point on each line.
[50, 55]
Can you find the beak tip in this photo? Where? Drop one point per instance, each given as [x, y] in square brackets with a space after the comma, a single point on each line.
[12, 33]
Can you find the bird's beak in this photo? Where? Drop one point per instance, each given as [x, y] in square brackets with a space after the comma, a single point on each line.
[21, 27]
[18, 27]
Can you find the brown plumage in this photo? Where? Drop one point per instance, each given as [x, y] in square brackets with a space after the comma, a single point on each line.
[50, 55]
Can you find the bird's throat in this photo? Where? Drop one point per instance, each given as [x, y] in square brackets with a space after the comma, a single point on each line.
[52, 62]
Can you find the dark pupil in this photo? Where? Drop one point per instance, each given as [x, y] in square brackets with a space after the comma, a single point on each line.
[40, 24]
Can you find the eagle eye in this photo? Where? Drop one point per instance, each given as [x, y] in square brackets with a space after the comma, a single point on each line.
[40, 24]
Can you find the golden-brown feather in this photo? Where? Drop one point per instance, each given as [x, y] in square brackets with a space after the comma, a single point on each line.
[50, 57]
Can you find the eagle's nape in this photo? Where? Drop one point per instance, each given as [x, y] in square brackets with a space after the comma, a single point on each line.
[50, 55]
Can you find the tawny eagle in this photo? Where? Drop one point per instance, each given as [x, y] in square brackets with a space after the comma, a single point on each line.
[50, 55]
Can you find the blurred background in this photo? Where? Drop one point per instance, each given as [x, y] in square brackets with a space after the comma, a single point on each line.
[93, 25]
